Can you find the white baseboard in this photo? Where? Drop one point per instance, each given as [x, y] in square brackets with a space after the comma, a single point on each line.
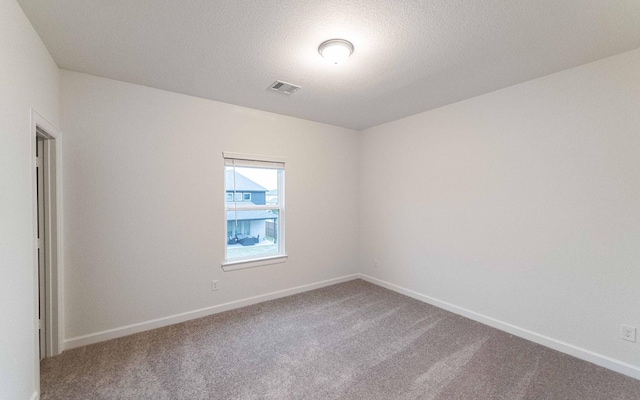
[34, 396]
[91, 338]
[563, 347]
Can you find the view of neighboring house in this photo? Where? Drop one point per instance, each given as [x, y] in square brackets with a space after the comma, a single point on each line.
[272, 196]
[246, 227]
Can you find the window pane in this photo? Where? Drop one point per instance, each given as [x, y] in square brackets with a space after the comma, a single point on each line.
[256, 185]
[253, 235]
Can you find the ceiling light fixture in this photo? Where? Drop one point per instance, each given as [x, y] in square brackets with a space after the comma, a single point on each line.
[336, 51]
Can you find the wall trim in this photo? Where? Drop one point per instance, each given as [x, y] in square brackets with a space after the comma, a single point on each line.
[54, 277]
[96, 337]
[555, 344]
[34, 396]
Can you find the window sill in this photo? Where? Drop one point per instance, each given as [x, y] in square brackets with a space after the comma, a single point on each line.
[242, 264]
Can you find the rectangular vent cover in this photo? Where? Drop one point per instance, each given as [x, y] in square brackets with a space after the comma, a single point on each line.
[284, 87]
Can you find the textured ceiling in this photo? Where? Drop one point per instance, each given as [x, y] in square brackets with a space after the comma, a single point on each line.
[410, 56]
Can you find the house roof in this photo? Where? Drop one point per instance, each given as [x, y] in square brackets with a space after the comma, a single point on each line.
[248, 215]
[243, 184]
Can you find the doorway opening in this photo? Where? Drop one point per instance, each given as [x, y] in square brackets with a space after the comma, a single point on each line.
[40, 248]
[47, 232]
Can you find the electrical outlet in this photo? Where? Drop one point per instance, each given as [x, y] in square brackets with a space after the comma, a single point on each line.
[375, 263]
[214, 285]
[628, 333]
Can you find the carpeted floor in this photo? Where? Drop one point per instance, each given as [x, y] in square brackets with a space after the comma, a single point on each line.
[353, 340]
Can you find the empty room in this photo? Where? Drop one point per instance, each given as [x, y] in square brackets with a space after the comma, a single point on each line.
[232, 199]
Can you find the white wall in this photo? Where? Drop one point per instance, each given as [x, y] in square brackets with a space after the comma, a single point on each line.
[522, 204]
[144, 201]
[28, 79]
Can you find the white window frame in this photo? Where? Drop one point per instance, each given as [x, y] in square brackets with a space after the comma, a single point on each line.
[245, 195]
[249, 160]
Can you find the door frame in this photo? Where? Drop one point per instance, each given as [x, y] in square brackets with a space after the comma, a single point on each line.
[54, 272]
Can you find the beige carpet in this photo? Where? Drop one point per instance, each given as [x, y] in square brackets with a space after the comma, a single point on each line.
[354, 340]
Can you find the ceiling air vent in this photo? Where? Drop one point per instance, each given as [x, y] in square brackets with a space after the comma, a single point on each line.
[284, 87]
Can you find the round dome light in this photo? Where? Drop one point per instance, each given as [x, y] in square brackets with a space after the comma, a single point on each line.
[336, 51]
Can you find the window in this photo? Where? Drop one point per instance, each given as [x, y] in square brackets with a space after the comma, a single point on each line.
[254, 226]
